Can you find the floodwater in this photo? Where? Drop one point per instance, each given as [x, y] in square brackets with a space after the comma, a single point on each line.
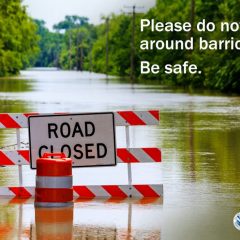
[199, 135]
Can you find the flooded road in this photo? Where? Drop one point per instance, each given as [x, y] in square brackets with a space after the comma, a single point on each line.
[199, 135]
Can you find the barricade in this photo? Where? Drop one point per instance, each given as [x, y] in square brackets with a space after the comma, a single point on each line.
[54, 181]
[126, 155]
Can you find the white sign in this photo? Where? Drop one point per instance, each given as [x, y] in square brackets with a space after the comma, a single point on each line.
[88, 139]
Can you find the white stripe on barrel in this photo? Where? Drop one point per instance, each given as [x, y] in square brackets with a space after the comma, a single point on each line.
[54, 182]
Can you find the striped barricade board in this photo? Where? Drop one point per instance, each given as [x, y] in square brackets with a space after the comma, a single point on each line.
[98, 191]
[122, 118]
[126, 155]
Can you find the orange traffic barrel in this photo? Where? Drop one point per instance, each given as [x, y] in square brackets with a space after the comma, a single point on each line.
[54, 181]
[54, 223]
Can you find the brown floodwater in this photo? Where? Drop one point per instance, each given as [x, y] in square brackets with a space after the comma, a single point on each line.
[199, 134]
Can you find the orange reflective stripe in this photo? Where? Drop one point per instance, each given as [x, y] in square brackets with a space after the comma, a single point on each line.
[54, 195]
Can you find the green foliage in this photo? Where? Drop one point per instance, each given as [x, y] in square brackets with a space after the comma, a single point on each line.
[220, 69]
[77, 46]
[18, 41]
[71, 22]
[119, 46]
[50, 46]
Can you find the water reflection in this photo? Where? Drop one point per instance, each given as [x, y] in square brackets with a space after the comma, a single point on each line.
[9, 105]
[110, 220]
[15, 85]
[13, 106]
[88, 220]
[207, 145]
[7, 221]
[54, 223]
[89, 232]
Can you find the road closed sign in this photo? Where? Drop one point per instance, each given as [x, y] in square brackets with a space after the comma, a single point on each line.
[88, 139]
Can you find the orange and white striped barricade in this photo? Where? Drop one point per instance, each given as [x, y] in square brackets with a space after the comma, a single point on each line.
[127, 155]
[54, 223]
[94, 191]
[124, 155]
[54, 181]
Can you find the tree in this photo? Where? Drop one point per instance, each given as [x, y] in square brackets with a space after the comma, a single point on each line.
[50, 46]
[79, 36]
[71, 22]
[18, 39]
[119, 46]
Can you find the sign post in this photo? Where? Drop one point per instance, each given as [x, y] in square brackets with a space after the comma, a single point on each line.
[88, 139]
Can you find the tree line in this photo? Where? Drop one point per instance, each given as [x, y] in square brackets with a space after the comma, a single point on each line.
[107, 48]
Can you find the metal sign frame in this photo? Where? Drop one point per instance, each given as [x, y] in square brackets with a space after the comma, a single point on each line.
[74, 114]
